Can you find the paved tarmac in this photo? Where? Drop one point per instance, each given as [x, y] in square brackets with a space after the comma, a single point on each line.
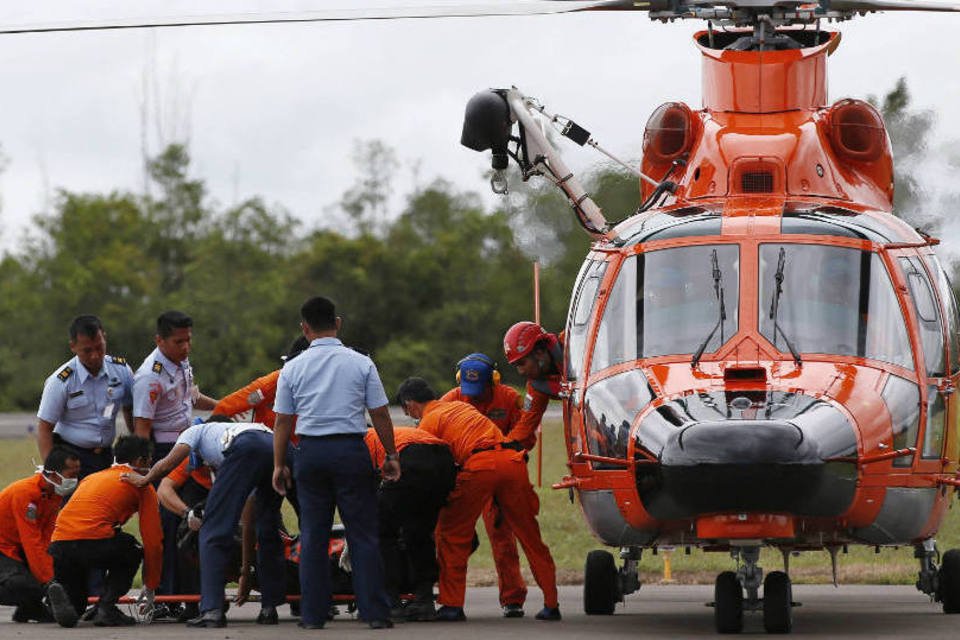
[674, 612]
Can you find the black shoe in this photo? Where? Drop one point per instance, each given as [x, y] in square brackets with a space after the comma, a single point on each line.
[268, 615]
[421, 611]
[212, 619]
[63, 611]
[399, 613]
[190, 610]
[295, 609]
[89, 614]
[451, 614]
[111, 616]
[549, 613]
[381, 624]
[37, 613]
[310, 625]
[513, 611]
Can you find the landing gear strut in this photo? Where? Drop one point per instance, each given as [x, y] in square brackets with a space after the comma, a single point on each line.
[737, 592]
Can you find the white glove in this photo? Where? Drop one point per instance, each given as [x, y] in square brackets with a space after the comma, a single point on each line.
[345, 559]
[145, 605]
[194, 521]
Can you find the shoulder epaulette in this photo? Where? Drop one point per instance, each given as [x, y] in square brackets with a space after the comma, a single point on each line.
[157, 367]
[118, 360]
[64, 374]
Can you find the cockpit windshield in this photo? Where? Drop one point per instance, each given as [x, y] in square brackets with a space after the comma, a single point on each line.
[832, 300]
[683, 295]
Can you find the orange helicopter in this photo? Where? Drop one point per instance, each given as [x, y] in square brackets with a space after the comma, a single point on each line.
[762, 355]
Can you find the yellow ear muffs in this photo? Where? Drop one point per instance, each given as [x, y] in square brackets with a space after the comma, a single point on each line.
[487, 361]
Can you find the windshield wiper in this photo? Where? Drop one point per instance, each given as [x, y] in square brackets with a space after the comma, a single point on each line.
[775, 308]
[718, 291]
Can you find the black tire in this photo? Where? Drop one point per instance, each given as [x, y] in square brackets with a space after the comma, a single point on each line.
[601, 584]
[728, 603]
[949, 581]
[777, 603]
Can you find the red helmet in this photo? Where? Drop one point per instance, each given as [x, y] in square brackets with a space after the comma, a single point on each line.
[520, 340]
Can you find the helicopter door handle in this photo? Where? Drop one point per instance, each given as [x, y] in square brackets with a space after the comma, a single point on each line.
[946, 388]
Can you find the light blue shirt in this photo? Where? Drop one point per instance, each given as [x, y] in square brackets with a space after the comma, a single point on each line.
[329, 387]
[163, 392]
[83, 407]
[208, 441]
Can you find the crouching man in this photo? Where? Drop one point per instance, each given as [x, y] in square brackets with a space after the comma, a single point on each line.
[28, 511]
[241, 454]
[88, 537]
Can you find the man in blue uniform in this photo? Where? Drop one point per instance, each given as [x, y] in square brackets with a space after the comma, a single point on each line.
[241, 454]
[329, 387]
[164, 396]
[81, 399]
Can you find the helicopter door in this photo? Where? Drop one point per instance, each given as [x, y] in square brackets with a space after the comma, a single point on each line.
[927, 311]
[951, 316]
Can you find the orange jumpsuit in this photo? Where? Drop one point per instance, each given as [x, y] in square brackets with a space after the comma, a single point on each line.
[180, 475]
[27, 516]
[504, 409]
[402, 436]
[258, 395]
[101, 503]
[486, 471]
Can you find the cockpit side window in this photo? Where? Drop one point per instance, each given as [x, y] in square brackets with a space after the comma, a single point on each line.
[928, 315]
[950, 308]
[578, 324]
[617, 336]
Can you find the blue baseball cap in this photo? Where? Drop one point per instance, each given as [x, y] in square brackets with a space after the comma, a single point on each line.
[476, 373]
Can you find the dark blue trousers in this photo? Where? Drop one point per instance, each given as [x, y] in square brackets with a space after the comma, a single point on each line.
[247, 466]
[336, 472]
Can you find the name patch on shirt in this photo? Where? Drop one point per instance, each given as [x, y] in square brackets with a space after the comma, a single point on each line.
[75, 394]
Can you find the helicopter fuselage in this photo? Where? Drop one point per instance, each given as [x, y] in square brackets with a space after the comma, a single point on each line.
[768, 354]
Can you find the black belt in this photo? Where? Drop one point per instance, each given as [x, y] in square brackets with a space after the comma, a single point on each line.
[332, 435]
[512, 445]
[59, 441]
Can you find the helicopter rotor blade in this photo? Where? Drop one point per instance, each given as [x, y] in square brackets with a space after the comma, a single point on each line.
[890, 5]
[490, 8]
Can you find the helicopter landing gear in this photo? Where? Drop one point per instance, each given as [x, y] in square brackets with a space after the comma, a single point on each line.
[728, 603]
[601, 584]
[604, 585]
[948, 578]
[777, 603]
[736, 592]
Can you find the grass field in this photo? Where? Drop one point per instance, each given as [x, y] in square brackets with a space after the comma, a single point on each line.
[565, 531]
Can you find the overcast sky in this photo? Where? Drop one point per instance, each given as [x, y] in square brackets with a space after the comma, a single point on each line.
[274, 110]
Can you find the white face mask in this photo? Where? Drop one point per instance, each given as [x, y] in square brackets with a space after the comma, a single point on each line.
[64, 487]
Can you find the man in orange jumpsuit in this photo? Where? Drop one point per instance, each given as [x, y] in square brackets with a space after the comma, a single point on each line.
[88, 537]
[538, 357]
[490, 467]
[28, 510]
[479, 384]
[408, 511]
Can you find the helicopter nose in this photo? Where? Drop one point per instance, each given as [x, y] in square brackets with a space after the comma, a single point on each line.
[743, 442]
[746, 466]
